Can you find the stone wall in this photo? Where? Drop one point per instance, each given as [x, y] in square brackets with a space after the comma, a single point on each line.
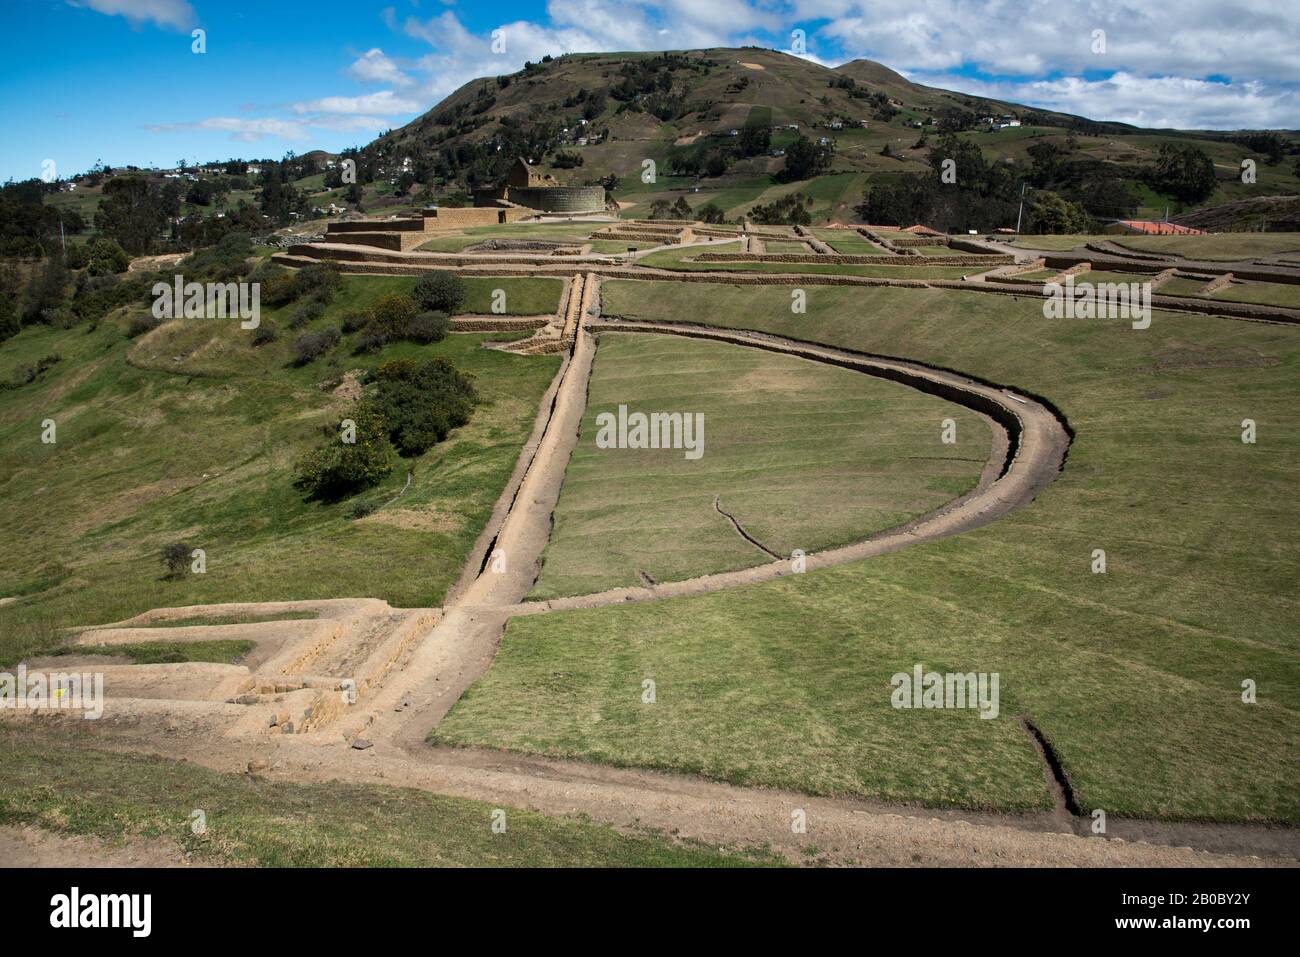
[560, 199]
[846, 260]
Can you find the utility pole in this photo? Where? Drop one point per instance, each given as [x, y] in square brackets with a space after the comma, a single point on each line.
[1021, 211]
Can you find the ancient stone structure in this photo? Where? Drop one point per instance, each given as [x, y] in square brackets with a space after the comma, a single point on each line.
[528, 186]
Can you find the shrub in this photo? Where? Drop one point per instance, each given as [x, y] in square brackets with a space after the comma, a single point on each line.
[339, 468]
[362, 509]
[421, 401]
[105, 258]
[139, 325]
[439, 292]
[319, 280]
[392, 315]
[277, 289]
[264, 333]
[176, 560]
[371, 341]
[429, 327]
[354, 321]
[312, 345]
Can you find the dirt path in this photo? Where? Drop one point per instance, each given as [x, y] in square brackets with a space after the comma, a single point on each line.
[35, 847]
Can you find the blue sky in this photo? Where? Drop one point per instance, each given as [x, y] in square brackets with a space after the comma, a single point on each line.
[116, 80]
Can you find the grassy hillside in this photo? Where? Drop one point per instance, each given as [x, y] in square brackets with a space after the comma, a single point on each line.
[1134, 675]
[705, 95]
[190, 433]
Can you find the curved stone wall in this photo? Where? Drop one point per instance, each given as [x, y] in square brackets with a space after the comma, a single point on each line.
[560, 199]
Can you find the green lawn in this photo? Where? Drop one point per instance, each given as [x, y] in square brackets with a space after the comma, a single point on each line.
[782, 436]
[1263, 293]
[1135, 675]
[680, 259]
[191, 434]
[254, 822]
[1220, 246]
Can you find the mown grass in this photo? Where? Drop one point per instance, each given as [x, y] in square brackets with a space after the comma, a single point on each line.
[524, 296]
[252, 821]
[683, 259]
[782, 436]
[1134, 675]
[191, 434]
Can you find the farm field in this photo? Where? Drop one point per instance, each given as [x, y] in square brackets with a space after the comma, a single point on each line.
[1134, 675]
[782, 435]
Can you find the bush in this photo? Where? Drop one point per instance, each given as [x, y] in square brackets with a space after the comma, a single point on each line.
[139, 325]
[392, 315]
[319, 280]
[105, 258]
[439, 292]
[277, 289]
[176, 560]
[362, 509]
[429, 327]
[421, 401]
[371, 341]
[264, 333]
[340, 468]
[355, 321]
[312, 345]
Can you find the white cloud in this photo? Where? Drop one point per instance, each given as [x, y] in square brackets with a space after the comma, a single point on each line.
[1251, 39]
[581, 26]
[177, 14]
[382, 102]
[374, 67]
[241, 129]
[1166, 101]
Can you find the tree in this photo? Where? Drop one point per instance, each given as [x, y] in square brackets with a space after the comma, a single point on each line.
[1183, 171]
[1050, 214]
[755, 140]
[391, 316]
[340, 468]
[439, 292]
[132, 213]
[805, 159]
[710, 213]
[176, 560]
[105, 257]
[421, 401]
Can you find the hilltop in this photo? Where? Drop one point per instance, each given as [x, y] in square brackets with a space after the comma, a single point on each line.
[598, 117]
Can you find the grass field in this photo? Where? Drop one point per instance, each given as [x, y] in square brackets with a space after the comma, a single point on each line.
[679, 259]
[1263, 293]
[1221, 246]
[783, 436]
[1134, 675]
[254, 822]
[190, 434]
